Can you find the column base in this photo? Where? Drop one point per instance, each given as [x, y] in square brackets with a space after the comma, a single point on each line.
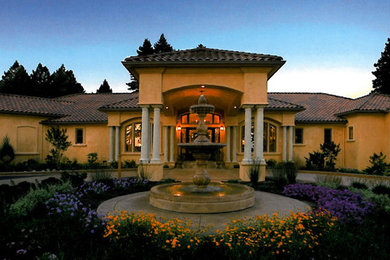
[154, 172]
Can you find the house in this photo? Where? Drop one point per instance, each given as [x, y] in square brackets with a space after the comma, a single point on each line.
[146, 126]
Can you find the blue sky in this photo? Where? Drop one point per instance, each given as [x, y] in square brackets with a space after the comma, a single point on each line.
[329, 46]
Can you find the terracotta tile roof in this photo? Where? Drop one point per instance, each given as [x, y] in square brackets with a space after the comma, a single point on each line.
[373, 102]
[276, 104]
[319, 107]
[126, 104]
[85, 107]
[17, 104]
[204, 56]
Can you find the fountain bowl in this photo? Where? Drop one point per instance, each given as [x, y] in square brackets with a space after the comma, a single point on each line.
[213, 198]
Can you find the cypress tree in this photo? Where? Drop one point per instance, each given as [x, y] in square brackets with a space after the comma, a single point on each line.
[104, 87]
[41, 80]
[145, 49]
[162, 45]
[16, 81]
[382, 73]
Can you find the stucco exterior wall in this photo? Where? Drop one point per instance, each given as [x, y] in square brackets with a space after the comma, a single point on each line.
[25, 134]
[313, 136]
[370, 136]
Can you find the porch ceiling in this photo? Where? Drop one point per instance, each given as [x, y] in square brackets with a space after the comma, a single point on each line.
[224, 99]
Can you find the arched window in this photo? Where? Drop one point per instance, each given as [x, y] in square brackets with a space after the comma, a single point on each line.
[269, 142]
[133, 137]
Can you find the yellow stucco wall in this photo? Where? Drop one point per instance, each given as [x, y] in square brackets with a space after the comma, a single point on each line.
[25, 134]
[370, 136]
[313, 136]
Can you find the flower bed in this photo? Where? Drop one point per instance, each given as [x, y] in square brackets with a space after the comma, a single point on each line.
[347, 206]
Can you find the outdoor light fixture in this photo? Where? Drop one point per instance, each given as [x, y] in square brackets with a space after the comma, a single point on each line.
[203, 86]
[178, 128]
[235, 107]
[166, 107]
[222, 128]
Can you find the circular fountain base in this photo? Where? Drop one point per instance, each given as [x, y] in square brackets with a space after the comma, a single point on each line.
[213, 198]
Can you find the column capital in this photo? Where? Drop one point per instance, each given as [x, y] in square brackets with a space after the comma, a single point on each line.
[261, 106]
[247, 106]
[160, 106]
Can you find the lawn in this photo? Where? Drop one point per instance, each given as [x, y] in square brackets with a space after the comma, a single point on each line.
[57, 219]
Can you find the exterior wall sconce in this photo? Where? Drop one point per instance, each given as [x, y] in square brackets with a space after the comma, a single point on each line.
[222, 128]
[166, 107]
[203, 86]
[178, 128]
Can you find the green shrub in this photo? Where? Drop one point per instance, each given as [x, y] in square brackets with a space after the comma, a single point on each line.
[271, 163]
[132, 164]
[291, 172]
[59, 140]
[331, 181]
[378, 165]
[324, 160]
[359, 185]
[101, 176]
[36, 199]
[75, 178]
[7, 153]
[381, 189]
[279, 175]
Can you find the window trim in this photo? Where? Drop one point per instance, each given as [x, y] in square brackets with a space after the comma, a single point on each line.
[331, 134]
[349, 133]
[295, 135]
[76, 136]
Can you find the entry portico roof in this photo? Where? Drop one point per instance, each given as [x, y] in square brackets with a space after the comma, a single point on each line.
[205, 57]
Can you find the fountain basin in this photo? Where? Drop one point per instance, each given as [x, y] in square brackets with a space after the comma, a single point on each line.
[213, 198]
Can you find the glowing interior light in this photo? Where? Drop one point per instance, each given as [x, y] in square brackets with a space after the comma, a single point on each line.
[178, 194]
[166, 107]
[235, 107]
[203, 86]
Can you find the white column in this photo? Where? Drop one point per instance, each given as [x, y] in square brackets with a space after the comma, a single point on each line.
[116, 143]
[228, 144]
[248, 141]
[234, 143]
[166, 144]
[172, 144]
[156, 135]
[290, 145]
[260, 134]
[111, 151]
[284, 143]
[144, 135]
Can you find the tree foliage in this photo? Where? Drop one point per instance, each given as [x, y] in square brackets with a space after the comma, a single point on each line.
[59, 140]
[381, 83]
[16, 80]
[145, 49]
[104, 87]
[7, 153]
[40, 83]
[160, 46]
[324, 160]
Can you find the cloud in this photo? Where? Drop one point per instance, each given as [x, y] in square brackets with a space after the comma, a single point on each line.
[343, 81]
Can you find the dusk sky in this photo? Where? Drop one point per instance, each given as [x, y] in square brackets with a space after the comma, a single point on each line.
[329, 46]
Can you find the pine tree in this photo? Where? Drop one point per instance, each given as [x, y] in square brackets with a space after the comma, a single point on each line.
[162, 45]
[41, 80]
[145, 49]
[16, 81]
[382, 73]
[64, 83]
[104, 87]
[133, 84]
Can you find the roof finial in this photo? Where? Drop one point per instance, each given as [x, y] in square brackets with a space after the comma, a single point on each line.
[201, 46]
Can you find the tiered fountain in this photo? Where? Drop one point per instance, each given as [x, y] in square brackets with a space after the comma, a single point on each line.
[201, 196]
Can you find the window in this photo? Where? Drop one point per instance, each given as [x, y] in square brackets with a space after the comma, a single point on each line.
[269, 141]
[79, 136]
[299, 135]
[133, 137]
[327, 135]
[350, 133]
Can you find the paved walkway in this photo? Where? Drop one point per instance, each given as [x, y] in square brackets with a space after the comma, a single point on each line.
[265, 203]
